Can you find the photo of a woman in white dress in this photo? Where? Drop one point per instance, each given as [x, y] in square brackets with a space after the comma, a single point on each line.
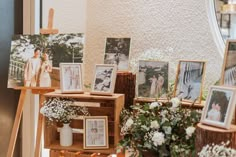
[46, 69]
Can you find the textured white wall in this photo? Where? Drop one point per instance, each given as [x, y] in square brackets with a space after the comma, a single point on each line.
[178, 25]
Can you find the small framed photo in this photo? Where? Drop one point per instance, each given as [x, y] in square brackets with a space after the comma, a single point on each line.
[228, 77]
[219, 107]
[71, 78]
[104, 79]
[96, 132]
[189, 80]
[117, 52]
[152, 79]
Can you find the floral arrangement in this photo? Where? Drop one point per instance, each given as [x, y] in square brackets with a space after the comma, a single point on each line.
[166, 129]
[215, 150]
[62, 110]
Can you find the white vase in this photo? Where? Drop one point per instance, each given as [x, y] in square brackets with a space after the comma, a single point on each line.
[66, 135]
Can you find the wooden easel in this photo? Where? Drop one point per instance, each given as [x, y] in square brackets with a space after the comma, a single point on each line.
[34, 90]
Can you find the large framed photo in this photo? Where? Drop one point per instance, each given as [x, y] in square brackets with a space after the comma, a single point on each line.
[104, 79]
[96, 132]
[152, 79]
[71, 78]
[189, 80]
[34, 59]
[117, 52]
[228, 77]
[219, 107]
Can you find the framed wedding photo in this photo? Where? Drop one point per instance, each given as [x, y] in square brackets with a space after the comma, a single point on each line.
[219, 107]
[152, 79]
[104, 79]
[117, 52]
[71, 78]
[189, 80]
[228, 78]
[96, 132]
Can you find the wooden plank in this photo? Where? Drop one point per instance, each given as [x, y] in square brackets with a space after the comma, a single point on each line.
[49, 29]
[16, 124]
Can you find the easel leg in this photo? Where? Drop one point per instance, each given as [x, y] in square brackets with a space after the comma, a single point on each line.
[16, 125]
[39, 129]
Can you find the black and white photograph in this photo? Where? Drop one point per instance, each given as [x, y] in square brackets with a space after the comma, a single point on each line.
[219, 107]
[104, 79]
[228, 77]
[117, 52]
[34, 59]
[71, 78]
[96, 132]
[152, 79]
[189, 80]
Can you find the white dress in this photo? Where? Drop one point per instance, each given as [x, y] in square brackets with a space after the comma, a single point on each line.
[45, 79]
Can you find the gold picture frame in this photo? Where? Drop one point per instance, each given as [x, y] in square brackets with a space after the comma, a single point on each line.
[95, 132]
[189, 80]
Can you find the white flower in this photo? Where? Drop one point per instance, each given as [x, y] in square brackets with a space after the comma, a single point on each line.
[153, 105]
[155, 125]
[145, 127]
[167, 130]
[158, 138]
[190, 130]
[175, 102]
[129, 122]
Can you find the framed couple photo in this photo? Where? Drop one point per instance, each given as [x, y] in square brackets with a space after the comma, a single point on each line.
[104, 79]
[220, 107]
[189, 80]
[71, 78]
[96, 132]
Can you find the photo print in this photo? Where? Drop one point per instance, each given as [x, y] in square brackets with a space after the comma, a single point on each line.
[34, 59]
[189, 79]
[152, 79]
[117, 52]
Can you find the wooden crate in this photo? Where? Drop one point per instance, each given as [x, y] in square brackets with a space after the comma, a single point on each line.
[109, 106]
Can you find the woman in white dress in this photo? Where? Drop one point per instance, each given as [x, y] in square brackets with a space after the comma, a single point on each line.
[46, 68]
[214, 113]
[153, 89]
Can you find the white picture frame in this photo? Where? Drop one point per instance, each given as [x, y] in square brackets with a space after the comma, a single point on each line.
[220, 106]
[104, 79]
[71, 79]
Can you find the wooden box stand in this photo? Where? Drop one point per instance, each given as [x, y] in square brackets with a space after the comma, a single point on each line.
[208, 135]
[107, 106]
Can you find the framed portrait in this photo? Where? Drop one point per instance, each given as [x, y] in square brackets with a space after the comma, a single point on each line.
[71, 78]
[189, 80]
[219, 107]
[96, 132]
[117, 52]
[152, 79]
[104, 79]
[34, 59]
[228, 77]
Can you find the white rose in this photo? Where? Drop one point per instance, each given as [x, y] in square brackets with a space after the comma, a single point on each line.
[175, 102]
[158, 138]
[145, 127]
[155, 125]
[167, 130]
[190, 130]
[129, 122]
[153, 105]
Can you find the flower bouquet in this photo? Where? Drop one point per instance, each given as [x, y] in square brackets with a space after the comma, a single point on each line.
[165, 129]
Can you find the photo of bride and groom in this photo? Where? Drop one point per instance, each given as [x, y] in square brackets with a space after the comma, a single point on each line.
[152, 79]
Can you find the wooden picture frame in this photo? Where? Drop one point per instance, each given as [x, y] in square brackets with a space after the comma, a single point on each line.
[117, 51]
[104, 79]
[152, 81]
[71, 79]
[189, 80]
[228, 78]
[219, 107]
[95, 132]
